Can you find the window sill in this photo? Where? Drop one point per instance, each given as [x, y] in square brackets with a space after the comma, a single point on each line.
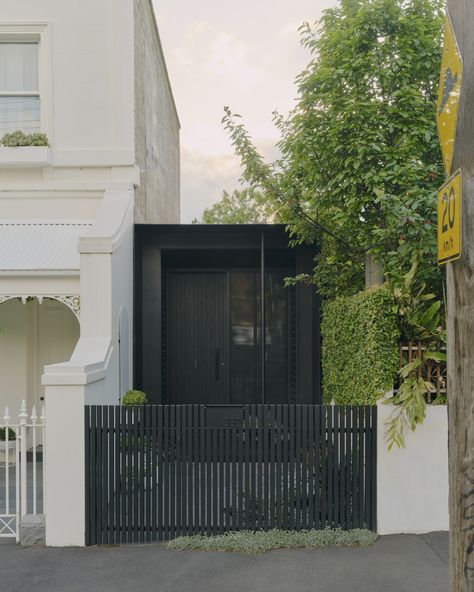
[25, 156]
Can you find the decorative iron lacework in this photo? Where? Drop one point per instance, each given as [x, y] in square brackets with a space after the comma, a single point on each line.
[72, 302]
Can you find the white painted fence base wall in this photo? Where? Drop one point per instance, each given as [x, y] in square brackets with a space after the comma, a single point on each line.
[64, 467]
[412, 483]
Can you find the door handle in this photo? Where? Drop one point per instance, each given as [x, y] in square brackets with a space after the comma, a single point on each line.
[218, 362]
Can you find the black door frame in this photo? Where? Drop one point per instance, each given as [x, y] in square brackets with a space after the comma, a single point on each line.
[168, 246]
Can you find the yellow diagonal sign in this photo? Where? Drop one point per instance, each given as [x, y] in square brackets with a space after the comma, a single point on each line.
[449, 219]
[448, 95]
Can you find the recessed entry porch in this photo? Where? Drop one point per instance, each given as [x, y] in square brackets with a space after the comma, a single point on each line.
[33, 333]
[203, 332]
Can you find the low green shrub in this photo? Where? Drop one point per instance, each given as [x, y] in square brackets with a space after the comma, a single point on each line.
[133, 398]
[19, 138]
[360, 347]
[250, 543]
[3, 434]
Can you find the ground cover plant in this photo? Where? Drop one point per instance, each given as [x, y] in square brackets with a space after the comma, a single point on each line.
[251, 543]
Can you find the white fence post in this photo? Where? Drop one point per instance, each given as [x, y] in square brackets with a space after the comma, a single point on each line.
[34, 419]
[65, 467]
[23, 459]
[43, 443]
[6, 420]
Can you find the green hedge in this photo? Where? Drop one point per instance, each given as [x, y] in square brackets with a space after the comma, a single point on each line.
[360, 347]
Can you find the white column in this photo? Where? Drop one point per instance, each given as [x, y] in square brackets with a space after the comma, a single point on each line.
[92, 374]
[64, 479]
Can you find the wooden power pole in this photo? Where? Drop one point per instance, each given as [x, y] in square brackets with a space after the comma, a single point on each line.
[460, 323]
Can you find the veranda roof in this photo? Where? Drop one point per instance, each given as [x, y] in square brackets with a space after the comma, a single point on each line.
[40, 246]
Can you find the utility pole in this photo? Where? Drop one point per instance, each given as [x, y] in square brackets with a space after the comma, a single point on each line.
[460, 323]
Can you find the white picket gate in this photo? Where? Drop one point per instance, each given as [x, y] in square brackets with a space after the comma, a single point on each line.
[21, 469]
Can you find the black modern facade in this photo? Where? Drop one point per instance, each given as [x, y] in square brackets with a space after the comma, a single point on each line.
[203, 332]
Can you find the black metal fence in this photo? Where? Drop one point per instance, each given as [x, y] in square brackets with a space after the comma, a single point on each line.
[158, 472]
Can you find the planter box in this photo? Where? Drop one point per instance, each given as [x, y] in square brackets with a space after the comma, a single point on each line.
[11, 452]
[25, 156]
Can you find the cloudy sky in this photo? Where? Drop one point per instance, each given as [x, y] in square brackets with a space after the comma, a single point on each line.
[245, 55]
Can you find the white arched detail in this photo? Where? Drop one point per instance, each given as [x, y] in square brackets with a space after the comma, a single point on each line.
[72, 302]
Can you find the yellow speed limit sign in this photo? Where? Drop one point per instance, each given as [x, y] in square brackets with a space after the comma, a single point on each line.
[449, 219]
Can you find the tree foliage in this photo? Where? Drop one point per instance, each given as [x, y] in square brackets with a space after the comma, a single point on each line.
[360, 160]
[239, 207]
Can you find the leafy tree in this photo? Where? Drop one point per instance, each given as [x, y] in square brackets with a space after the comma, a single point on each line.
[239, 207]
[360, 160]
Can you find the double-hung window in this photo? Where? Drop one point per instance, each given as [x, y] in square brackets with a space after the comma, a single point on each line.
[19, 87]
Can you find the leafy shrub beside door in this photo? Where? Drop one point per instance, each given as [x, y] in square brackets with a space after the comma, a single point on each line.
[360, 347]
[133, 398]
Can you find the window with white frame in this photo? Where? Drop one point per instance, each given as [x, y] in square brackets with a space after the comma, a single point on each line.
[19, 87]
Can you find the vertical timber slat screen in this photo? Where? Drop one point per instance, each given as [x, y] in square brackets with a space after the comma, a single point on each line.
[157, 472]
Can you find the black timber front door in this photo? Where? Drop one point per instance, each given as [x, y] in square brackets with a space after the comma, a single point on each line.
[198, 337]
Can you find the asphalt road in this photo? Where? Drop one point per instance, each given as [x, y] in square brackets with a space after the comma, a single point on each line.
[401, 563]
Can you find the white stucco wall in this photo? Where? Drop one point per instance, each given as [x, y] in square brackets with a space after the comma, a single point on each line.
[88, 62]
[412, 483]
[49, 205]
[106, 106]
[92, 375]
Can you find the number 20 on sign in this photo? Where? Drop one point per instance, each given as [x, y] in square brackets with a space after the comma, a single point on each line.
[449, 219]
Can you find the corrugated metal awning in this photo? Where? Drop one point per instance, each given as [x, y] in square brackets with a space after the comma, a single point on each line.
[40, 246]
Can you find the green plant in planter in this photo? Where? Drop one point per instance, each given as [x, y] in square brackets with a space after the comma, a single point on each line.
[420, 320]
[133, 398]
[3, 434]
[19, 138]
[410, 400]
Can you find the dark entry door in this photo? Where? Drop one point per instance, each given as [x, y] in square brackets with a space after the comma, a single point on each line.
[198, 337]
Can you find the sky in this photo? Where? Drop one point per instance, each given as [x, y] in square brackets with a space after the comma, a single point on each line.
[245, 55]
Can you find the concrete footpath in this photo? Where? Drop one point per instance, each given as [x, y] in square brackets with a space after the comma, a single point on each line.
[401, 563]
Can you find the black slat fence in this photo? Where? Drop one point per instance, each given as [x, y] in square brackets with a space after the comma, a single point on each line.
[157, 472]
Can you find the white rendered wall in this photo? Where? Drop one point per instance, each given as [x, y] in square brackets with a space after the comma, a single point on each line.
[48, 205]
[92, 375]
[105, 128]
[90, 65]
[412, 483]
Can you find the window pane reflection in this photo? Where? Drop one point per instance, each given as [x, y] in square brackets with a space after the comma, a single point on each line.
[246, 338]
[245, 349]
